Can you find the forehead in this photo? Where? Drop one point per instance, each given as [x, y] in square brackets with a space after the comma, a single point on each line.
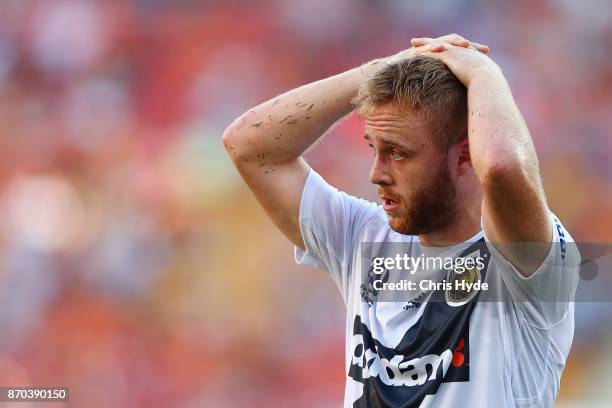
[387, 121]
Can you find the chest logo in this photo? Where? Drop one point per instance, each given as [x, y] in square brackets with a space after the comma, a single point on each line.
[463, 278]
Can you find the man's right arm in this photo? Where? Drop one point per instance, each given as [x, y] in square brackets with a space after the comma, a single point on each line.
[266, 143]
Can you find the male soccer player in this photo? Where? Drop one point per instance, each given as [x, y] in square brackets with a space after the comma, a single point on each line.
[455, 166]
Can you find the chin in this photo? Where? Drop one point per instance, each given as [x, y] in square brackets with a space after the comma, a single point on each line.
[400, 225]
[403, 224]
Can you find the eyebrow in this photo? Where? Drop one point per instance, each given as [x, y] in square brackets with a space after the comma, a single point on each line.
[389, 142]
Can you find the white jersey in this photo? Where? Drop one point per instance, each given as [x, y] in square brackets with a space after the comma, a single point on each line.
[424, 353]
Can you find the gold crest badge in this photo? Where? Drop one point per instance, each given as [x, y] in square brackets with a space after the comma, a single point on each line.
[458, 295]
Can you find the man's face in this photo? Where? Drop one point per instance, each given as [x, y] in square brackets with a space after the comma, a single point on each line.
[413, 176]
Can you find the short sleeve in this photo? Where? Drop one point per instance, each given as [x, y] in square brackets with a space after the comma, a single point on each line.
[543, 298]
[330, 221]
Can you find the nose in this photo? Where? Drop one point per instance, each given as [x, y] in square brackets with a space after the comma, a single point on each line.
[379, 173]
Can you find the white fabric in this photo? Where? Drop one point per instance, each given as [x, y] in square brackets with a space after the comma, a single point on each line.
[517, 349]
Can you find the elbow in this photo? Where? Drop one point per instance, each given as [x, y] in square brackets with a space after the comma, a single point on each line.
[505, 161]
[228, 140]
[499, 170]
[503, 172]
[232, 141]
[229, 144]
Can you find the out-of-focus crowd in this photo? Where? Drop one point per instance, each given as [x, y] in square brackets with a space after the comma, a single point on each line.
[136, 268]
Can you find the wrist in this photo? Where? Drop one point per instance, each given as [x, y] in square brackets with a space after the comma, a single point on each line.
[486, 74]
[371, 67]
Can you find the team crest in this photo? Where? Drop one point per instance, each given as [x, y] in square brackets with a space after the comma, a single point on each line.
[458, 296]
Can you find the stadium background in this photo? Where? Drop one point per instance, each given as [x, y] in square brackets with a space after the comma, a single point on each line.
[136, 268]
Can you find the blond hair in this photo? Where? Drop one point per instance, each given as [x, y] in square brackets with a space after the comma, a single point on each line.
[422, 85]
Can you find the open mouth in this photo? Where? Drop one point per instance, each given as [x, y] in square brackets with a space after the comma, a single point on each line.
[389, 204]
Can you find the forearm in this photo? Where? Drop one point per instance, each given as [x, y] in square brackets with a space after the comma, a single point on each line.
[499, 139]
[282, 128]
[506, 164]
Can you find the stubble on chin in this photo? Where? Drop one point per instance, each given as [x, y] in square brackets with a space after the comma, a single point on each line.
[400, 221]
[431, 209]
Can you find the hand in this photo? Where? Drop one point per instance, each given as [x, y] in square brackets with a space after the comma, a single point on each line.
[420, 45]
[454, 39]
[465, 62]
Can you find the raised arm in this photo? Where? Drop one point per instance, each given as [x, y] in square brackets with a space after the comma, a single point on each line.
[514, 211]
[266, 142]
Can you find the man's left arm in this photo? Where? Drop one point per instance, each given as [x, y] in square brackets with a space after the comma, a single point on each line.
[514, 210]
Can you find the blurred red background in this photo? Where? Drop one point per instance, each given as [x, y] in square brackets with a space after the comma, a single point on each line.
[136, 268]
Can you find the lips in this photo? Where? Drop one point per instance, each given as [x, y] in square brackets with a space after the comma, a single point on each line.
[390, 200]
[390, 204]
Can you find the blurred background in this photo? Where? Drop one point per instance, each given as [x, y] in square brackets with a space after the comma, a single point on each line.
[135, 266]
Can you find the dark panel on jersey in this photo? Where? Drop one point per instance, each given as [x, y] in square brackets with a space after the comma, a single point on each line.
[439, 339]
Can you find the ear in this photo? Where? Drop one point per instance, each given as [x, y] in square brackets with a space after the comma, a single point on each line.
[464, 160]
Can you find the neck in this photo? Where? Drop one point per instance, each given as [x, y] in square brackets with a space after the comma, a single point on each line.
[465, 225]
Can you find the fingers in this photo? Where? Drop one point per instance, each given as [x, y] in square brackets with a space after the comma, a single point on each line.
[481, 47]
[428, 44]
[433, 47]
[418, 42]
[454, 39]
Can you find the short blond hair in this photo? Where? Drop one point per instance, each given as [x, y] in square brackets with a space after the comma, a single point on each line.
[422, 85]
